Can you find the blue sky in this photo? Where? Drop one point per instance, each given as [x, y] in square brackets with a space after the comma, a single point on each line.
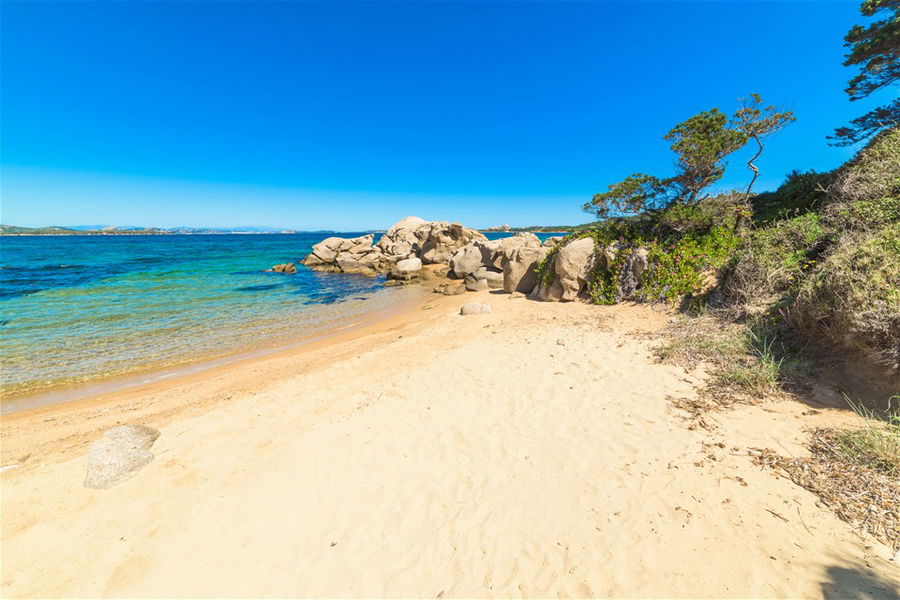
[351, 115]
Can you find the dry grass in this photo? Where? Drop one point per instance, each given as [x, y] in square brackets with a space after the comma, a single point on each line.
[855, 472]
[853, 297]
[743, 362]
[849, 484]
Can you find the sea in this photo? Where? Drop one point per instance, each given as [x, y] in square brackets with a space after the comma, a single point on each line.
[82, 308]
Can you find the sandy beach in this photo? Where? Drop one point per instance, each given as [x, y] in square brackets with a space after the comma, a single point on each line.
[530, 452]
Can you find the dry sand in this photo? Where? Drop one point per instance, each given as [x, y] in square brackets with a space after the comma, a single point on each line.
[530, 452]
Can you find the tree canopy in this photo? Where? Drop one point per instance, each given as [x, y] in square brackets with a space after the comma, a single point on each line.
[701, 143]
[875, 50]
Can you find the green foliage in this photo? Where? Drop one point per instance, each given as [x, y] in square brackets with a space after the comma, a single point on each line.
[636, 194]
[874, 50]
[768, 266]
[853, 296]
[701, 142]
[756, 123]
[873, 173]
[743, 359]
[800, 193]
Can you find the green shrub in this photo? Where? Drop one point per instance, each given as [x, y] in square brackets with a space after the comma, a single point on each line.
[799, 194]
[853, 296]
[863, 214]
[772, 262]
[874, 173]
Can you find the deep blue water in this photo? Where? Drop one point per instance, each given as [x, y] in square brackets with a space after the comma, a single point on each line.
[76, 308]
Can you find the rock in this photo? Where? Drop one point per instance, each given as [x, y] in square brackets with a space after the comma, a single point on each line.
[467, 259]
[284, 268]
[118, 454]
[474, 308]
[515, 295]
[400, 238]
[506, 245]
[633, 267]
[518, 268]
[438, 240]
[407, 269]
[547, 292]
[494, 278]
[450, 289]
[479, 285]
[553, 240]
[348, 255]
[574, 266]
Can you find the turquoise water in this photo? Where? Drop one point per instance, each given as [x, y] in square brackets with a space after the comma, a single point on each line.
[78, 308]
[81, 308]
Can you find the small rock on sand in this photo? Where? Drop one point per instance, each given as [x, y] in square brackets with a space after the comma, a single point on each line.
[119, 453]
[474, 308]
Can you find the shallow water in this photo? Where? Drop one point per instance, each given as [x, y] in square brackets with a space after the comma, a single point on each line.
[76, 308]
[81, 308]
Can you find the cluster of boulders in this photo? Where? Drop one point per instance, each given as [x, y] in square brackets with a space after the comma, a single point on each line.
[478, 263]
[401, 251]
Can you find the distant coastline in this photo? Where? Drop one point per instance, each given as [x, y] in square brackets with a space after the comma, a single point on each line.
[55, 230]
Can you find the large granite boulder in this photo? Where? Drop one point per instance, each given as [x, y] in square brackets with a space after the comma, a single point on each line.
[118, 454]
[633, 267]
[519, 265]
[573, 266]
[506, 245]
[553, 240]
[477, 285]
[492, 276]
[432, 242]
[349, 255]
[438, 240]
[407, 269]
[401, 239]
[468, 259]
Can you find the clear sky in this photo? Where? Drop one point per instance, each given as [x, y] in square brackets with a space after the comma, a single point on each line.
[351, 115]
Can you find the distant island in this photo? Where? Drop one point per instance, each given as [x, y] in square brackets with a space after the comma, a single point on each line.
[542, 228]
[111, 230]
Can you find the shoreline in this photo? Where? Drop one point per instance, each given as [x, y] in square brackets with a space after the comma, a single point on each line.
[209, 382]
[63, 392]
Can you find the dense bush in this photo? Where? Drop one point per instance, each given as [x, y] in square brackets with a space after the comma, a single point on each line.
[799, 194]
[873, 174]
[771, 262]
[853, 297]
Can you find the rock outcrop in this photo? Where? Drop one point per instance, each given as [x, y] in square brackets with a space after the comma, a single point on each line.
[284, 268]
[431, 242]
[349, 255]
[519, 265]
[493, 277]
[406, 270]
[118, 454]
[573, 266]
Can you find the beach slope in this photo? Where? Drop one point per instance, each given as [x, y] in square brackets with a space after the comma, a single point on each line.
[530, 452]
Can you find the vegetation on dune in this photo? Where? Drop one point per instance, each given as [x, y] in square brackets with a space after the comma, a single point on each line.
[760, 276]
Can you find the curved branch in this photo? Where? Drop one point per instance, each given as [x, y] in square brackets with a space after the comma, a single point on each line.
[752, 166]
